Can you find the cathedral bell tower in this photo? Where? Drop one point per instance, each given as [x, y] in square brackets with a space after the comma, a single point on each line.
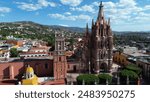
[60, 61]
[100, 45]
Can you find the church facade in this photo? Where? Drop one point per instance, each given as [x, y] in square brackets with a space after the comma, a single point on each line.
[54, 66]
[98, 45]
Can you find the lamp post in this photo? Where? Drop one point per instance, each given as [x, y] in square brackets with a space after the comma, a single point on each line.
[83, 82]
[95, 82]
[118, 79]
[127, 80]
[89, 67]
[107, 82]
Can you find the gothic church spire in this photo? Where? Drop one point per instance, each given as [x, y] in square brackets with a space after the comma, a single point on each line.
[101, 12]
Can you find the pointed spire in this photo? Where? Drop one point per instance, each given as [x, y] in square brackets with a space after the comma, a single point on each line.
[87, 28]
[101, 13]
[109, 22]
[92, 22]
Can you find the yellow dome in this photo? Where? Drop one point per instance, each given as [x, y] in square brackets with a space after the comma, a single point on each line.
[29, 70]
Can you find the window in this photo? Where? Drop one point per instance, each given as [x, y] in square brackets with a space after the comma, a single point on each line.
[74, 68]
[59, 58]
[46, 66]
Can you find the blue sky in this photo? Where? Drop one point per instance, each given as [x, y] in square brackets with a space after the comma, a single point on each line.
[125, 15]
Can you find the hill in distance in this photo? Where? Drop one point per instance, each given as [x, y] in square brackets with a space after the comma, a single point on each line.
[29, 27]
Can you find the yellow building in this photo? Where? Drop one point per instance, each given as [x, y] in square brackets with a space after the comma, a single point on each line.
[120, 58]
[30, 77]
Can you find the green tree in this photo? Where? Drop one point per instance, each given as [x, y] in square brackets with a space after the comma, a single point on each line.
[88, 79]
[133, 68]
[104, 77]
[71, 40]
[129, 73]
[14, 52]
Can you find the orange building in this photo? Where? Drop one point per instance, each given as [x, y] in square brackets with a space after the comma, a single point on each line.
[43, 67]
[120, 58]
[15, 42]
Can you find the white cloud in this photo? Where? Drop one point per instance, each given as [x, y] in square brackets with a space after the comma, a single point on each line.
[67, 13]
[71, 2]
[122, 11]
[33, 7]
[84, 17]
[147, 7]
[70, 17]
[127, 3]
[46, 3]
[4, 9]
[28, 7]
[96, 3]
[52, 4]
[43, 3]
[109, 4]
[85, 8]
[64, 25]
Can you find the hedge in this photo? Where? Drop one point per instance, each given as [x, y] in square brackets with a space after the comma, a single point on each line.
[89, 79]
[134, 68]
[129, 73]
[104, 77]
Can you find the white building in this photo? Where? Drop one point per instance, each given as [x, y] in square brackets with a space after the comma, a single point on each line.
[33, 54]
[4, 54]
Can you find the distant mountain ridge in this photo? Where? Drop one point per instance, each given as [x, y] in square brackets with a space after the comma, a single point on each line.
[37, 25]
[29, 27]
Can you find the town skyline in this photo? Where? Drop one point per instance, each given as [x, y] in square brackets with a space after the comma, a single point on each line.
[131, 15]
[31, 54]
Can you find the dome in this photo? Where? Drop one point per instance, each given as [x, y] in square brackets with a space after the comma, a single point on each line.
[29, 70]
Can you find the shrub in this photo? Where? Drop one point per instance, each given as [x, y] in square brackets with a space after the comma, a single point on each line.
[89, 79]
[104, 77]
[14, 52]
[129, 73]
[134, 68]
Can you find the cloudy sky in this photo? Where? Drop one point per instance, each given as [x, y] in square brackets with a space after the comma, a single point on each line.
[126, 15]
